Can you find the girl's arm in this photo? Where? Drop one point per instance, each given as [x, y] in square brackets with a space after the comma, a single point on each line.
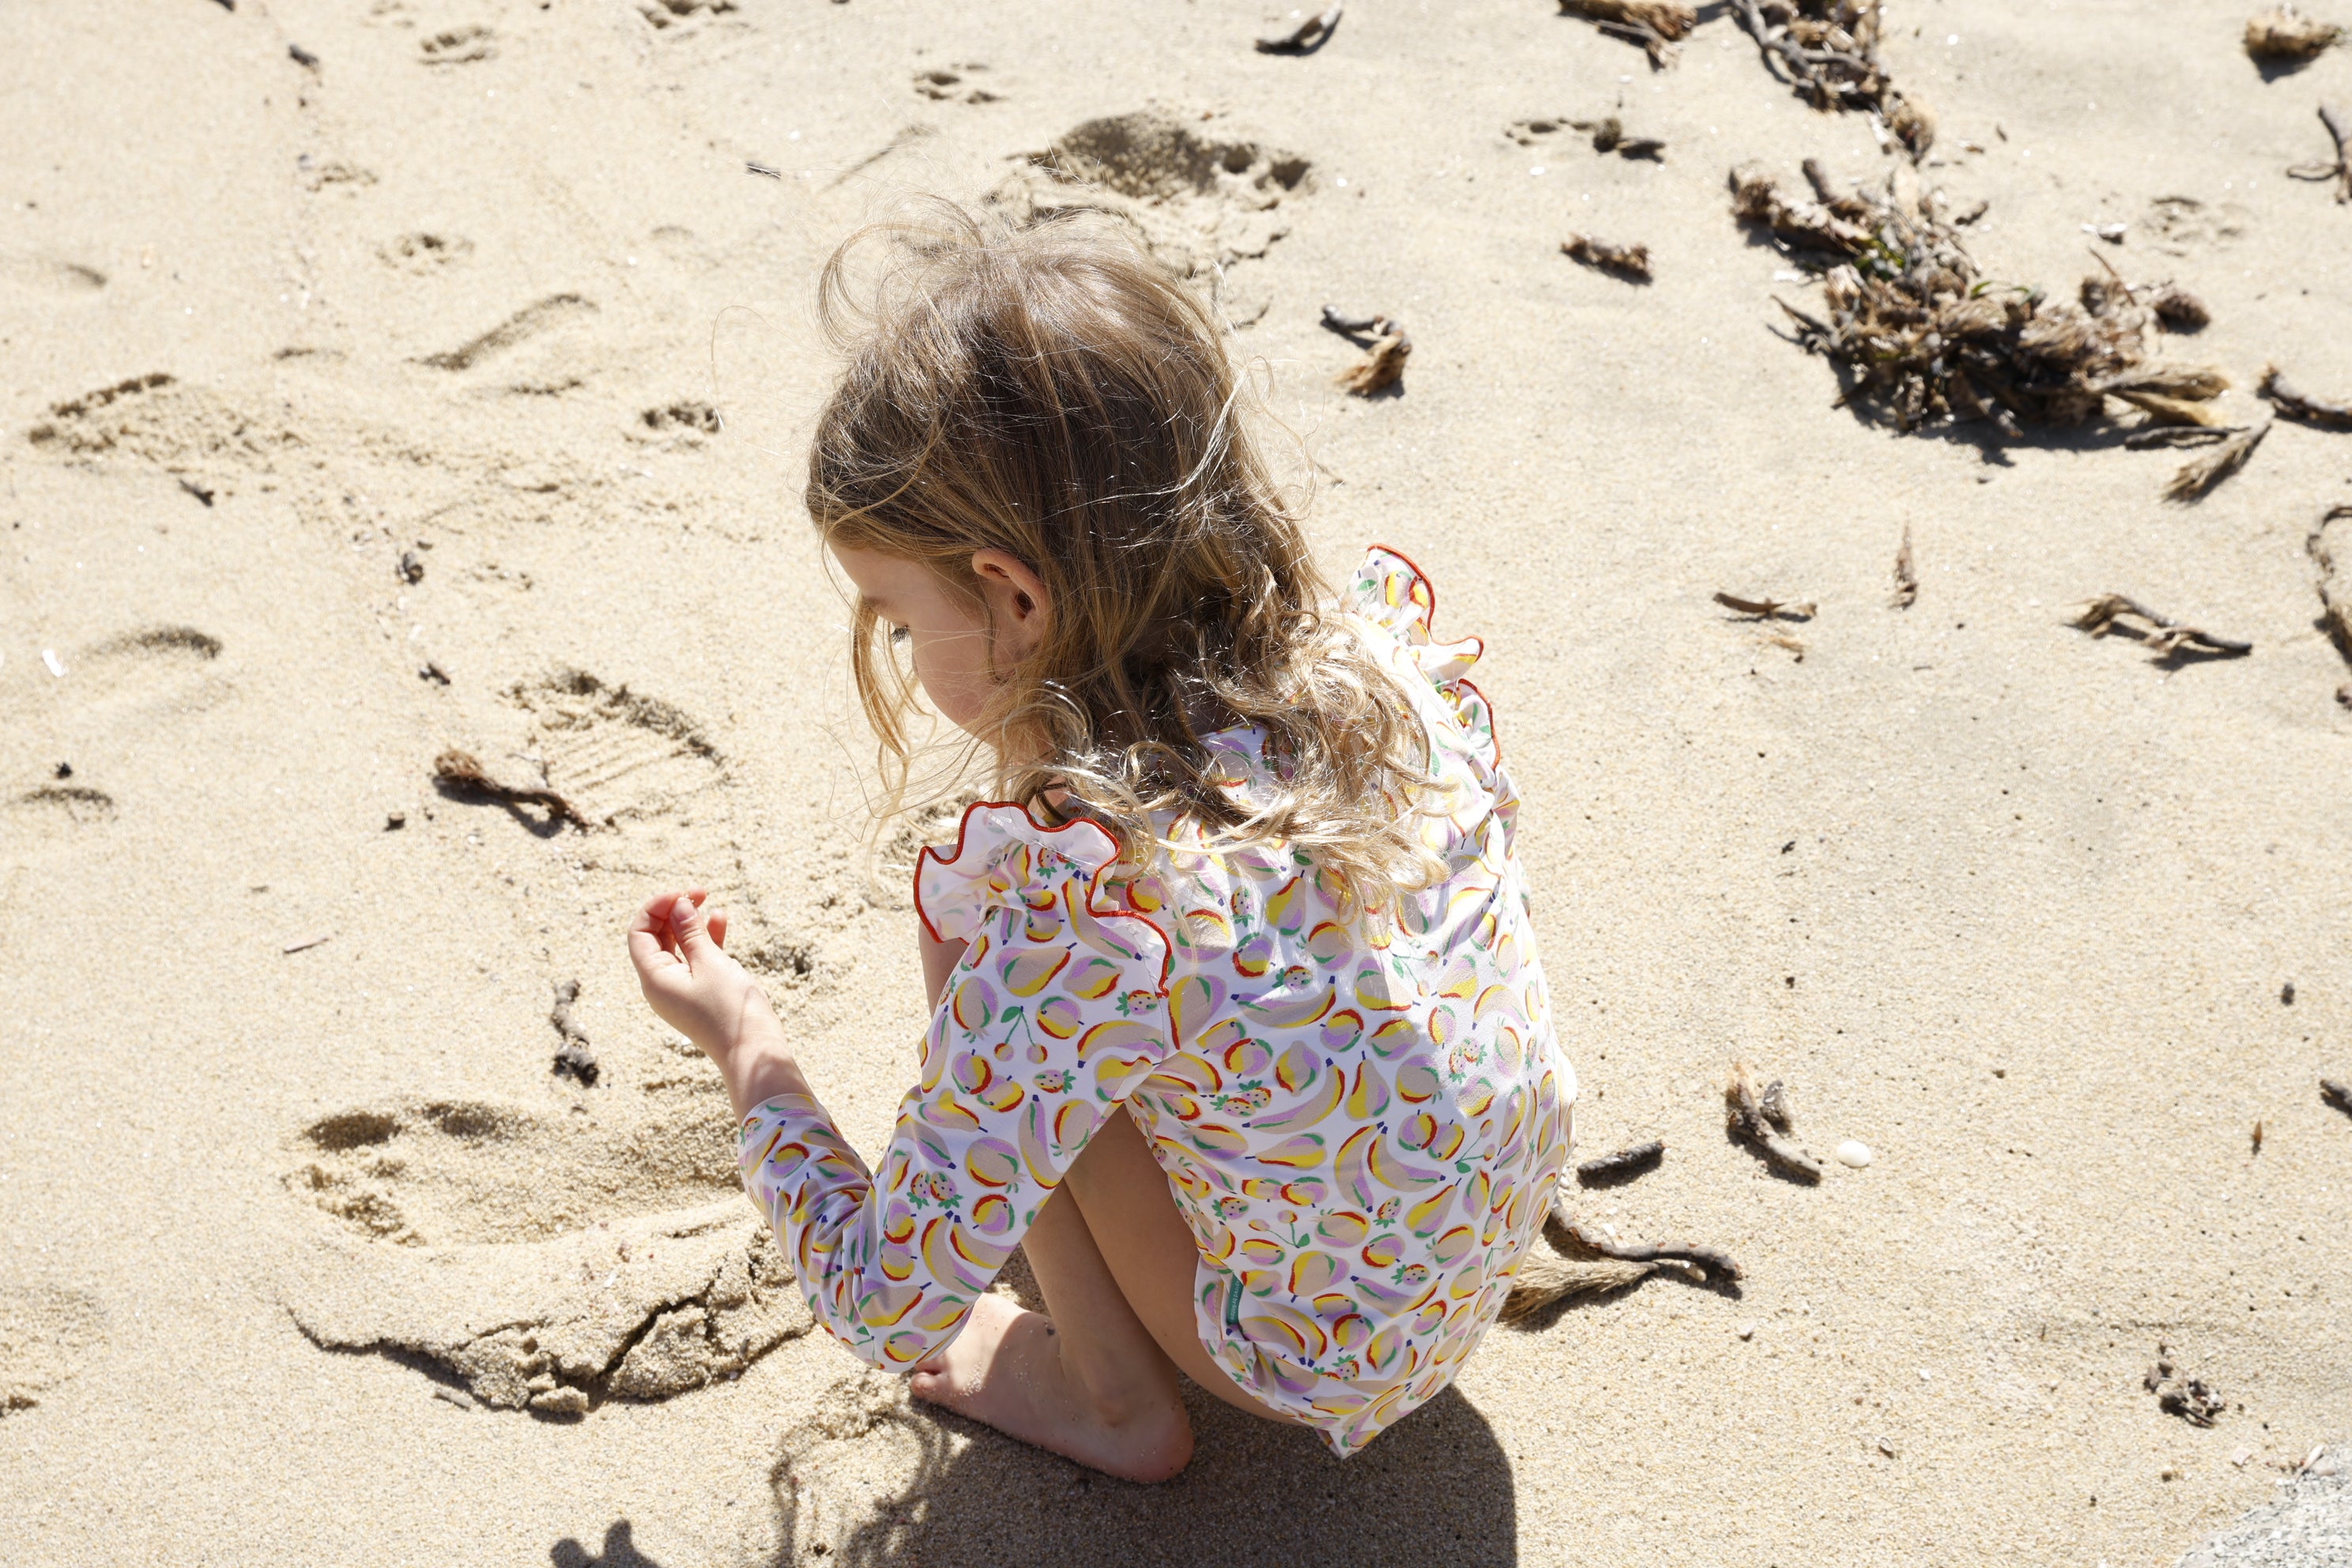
[698, 990]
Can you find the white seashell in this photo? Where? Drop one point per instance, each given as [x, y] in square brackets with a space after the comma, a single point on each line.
[1855, 1152]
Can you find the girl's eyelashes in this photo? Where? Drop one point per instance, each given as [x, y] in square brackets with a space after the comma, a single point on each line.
[899, 635]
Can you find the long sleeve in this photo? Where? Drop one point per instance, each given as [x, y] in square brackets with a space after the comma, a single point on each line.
[1057, 1013]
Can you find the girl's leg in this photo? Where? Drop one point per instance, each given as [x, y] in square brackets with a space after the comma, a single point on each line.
[1095, 1382]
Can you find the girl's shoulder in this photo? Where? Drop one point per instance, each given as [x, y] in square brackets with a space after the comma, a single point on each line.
[1397, 603]
[1012, 880]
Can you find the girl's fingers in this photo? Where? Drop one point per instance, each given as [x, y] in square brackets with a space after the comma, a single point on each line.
[719, 929]
[647, 952]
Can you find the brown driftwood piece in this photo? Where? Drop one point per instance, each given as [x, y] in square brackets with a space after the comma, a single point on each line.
[1310, 34]
[2285, 36]
[1655, 25]
[2339, 128]
[1748, 1121]
[1765, 609]
[2167, 638]
[2197, 477]
[462, 773]
[2190, 1398]
[2302, 406]
[1630, 261]
[572, 1059]
[1907, 577]
[1622, 1163]
[2336, 1094]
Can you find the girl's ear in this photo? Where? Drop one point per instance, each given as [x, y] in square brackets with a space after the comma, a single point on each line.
[1018, 602]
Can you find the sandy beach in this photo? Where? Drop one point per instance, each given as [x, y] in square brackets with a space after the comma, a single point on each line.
[386, 380]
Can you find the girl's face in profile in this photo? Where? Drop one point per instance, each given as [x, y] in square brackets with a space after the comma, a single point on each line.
[946, 635]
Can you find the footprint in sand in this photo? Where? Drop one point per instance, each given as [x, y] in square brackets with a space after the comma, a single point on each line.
[458, 46]
[614, 756]
[51, 275]
[686, 423]
[1200, 201]
[529, 351]
[955, 84]
[161, 420]
[46, 1332]
[540, 1259]
[64, 807]
[424, 253]
[664, 13]
[154, 667]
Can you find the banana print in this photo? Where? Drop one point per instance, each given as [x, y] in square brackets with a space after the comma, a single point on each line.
[1361, 1119]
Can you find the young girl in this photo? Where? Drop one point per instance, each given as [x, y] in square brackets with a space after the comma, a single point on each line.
[1238, 1029]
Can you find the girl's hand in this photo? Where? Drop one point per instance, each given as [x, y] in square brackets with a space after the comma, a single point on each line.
[680, 954]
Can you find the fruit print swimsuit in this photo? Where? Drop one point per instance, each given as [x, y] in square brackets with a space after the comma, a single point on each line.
[1361, 1120]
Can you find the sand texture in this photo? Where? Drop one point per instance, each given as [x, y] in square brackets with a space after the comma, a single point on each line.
[394, 380]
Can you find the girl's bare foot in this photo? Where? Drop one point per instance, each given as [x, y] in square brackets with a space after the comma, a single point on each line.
[1006, 1369]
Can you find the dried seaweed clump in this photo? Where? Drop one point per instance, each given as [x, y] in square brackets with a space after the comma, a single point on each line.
[1655, 25]
[2190, 1398]
[1828, 51]
[1921, 336]
[2285, 36]
[1386, 347]
[1631, 261]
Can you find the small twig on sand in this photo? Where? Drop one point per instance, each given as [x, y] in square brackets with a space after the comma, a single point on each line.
[2151, 435]
[2339, 127]
[2285, 36]
[1386, 349]
[1767, 609]
[2336, 1094]
[1623, 1164]
[2331, 547]
[2302, 406]
[1652, 24]
[1631, 261]
[2196, 477]
[2165, 638]
[572, 1057]
[1907, 577]
[461, 773]
[1311, 34]
[1763, 1120]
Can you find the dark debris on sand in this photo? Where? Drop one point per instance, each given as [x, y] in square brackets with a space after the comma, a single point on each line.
[1921, 336]
[1828, 51]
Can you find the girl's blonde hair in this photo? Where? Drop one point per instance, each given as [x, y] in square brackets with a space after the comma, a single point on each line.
[1054, 392]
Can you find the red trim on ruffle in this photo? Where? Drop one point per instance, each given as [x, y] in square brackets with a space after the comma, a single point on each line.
[1094, 880]
[1429, 625]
